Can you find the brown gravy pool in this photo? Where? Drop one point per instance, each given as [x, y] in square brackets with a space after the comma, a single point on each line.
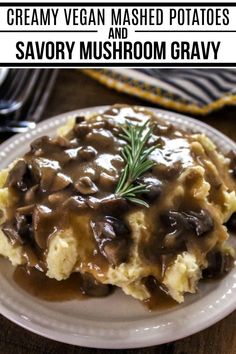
[39, 285]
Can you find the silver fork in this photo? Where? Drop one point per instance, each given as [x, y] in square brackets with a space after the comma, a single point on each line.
[37, 96]
[18, 127]
[41, 95]
[18, 91]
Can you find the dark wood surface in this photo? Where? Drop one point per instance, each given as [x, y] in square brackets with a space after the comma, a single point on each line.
[75, 90]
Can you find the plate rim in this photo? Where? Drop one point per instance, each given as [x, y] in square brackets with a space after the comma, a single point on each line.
[164, 113]
[121, 343]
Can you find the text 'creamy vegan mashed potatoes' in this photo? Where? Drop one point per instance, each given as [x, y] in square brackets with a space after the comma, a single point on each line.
[120, 199]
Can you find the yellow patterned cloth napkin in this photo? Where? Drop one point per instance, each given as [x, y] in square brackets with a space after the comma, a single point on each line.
[196, 91]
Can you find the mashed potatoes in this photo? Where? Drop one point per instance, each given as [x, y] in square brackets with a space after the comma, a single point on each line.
[192, 198]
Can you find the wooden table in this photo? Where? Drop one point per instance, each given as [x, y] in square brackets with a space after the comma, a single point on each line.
[75, 90]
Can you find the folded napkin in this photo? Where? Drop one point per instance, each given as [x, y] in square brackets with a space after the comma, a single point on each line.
[197, 91]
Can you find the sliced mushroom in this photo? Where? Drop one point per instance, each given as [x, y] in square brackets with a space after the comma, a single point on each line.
[100, 138]
[82, 129]
[9, 229]
[16, 176]
[92, 287]
[75, 203]
[20, 228]
[86, 186]
[43, 172]
[58, 197]
[112, 237]
[47, 178]
[61, 156]
[30, 195]
[60, 182]
[87, 153]
[42, 225]
[53, 147]
[34, 170]
[154, 187]
[200, 222]
[116, 251]
[219, 264]
[24, 227]
[93, 202]
[113, 205]
[108, 182]
[110, 204]
[39, 143]
[25, 210]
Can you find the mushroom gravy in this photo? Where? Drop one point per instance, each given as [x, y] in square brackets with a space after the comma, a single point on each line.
[69, 182]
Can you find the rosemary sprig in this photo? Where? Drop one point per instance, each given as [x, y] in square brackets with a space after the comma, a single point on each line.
[135, 154]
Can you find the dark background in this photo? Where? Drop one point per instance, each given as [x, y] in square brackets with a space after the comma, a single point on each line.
[74, 90]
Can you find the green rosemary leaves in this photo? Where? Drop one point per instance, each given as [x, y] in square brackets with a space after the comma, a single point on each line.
[135, 154]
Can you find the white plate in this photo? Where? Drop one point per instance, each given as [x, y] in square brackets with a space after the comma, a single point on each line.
[117, 321]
